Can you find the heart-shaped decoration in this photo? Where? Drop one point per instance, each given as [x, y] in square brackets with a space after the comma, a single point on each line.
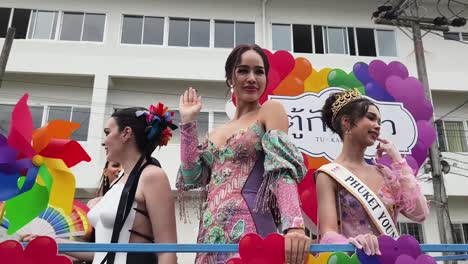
[255, 250]
[44, 250]
[317, 80]
[410, 91]
[282, 61]
[234, 261]
[10, 250]
[366, 259]
[391, 249]
[422, 259]
[343, 258]
[380, 71]
[339, 78]
[322, 258]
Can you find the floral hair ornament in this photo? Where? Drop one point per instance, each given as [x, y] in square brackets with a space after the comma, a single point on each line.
[159, 121]
[344, 99]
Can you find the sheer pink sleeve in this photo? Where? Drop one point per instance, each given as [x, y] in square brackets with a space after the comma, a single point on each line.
[194, 170]
[332, 237]
[406, 191]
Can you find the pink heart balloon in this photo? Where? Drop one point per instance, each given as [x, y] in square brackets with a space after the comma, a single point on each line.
[380, 71]
[283, 62]
[421, 259]
[391, 249]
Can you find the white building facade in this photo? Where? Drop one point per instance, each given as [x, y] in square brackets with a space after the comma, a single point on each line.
[83, 60]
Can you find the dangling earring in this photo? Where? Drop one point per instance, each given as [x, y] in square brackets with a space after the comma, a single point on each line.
[348, 132]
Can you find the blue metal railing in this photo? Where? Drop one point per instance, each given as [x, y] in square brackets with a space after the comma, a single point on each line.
[192, 248]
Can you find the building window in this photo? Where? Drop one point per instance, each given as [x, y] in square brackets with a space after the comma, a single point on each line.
[387, 42]
[199, 33]
[202, 126]
[336, 40]
[230, 33]
[333, 40]
[178, 32]
[224, 34]
[5, 117]
[219, 119]
[186, 32]
[366, 42]
[301, 41]
[132, 29]
[281, 34]
[142, 30]
[20, 22]
[78, 26]
[153, 30]
[79, 115]
[245, 33]
[318, 40]
[4, 21]
[452, 136]
[412, 229]
[464, 36]
[43, 24]
[460, 234]
[452, 35]
[17, 18]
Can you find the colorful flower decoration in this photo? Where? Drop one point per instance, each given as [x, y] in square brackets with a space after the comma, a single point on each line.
[160, 124]
[34, 166]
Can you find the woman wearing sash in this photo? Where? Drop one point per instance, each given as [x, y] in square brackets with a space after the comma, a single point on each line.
[249, 166]
[358, 201]
[139, 207]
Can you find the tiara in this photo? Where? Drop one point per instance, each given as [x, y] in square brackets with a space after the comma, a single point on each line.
[343, 99]
[159, 121]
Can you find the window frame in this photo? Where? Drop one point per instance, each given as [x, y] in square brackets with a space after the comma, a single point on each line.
[54, 36]
[210, 29]
[213, 29]
[420, 227]
[165, 38]
[45, 111]
[445, 138]
[59, 28]
[452, 33]
[325, 41]
[377, 46]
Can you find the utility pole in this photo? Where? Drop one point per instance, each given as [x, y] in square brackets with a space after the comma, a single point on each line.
[440, 196]
[6, 52]
[417, 23]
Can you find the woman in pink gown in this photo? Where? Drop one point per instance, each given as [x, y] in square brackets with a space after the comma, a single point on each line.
[249, 167]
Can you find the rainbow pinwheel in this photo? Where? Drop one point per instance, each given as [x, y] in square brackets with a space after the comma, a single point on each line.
[44, 156]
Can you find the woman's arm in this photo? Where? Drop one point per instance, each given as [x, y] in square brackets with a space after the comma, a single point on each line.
[284, 166]
[406, 189]
[192, 172]
[160, 205]
[413, 203]
[328, 218]
[274, 118]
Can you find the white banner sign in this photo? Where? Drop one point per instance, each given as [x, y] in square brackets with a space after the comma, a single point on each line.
[312, 136]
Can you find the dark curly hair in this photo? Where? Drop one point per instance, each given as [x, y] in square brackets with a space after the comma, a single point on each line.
[234, 59]
[354, 110]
